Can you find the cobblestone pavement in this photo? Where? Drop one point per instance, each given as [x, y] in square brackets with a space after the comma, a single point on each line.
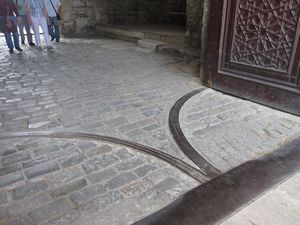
[106, 87]
[109, 87]
[66, 181]
[113, 88]
[228, 131]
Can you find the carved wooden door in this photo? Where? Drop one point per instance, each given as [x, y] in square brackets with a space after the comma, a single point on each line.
[254, 51]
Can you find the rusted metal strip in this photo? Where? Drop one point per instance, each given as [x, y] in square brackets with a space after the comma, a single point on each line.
[183, 143]
[181, 165]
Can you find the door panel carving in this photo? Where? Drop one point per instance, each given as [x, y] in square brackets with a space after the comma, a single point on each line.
[262, 34]
[258, 51]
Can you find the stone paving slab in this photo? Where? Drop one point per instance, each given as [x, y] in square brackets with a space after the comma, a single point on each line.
[228, 131]
[277, 207]
[68, 181]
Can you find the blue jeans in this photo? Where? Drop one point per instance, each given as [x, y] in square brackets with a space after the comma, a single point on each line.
[54, 28]
[15, 36]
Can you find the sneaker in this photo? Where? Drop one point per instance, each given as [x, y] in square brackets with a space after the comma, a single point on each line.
[19, 49]
[49, 48]
[31, 44]
[23, 42]
[11, 50]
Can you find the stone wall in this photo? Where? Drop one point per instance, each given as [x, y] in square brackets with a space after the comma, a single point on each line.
[79, 17]
[194, 23]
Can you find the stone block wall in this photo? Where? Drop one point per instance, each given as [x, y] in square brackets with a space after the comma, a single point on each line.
[79, 17]
[194, 23]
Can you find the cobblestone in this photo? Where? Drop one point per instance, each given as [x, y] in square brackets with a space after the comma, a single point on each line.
[27, 204]
[129, 164]
[97, 151]
[15, 158]
[28, 190]
[10, 179]
[51, 210]
[88, 193]
[91, 86]
[68, 188]
[120, 180]
[144, 170]
[102, 175]
[9, 169]
[63, 195]
[35, 161]
[228, 131]
[22, 220]
[71, 161]
[41, 169]
[99, 162]
[3, 198]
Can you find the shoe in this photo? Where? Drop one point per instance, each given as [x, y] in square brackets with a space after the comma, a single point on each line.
[49, 48]
[52, 39]
[31, 44]
[39, 48]
[11, 50]
[23, 42]
[19, 49]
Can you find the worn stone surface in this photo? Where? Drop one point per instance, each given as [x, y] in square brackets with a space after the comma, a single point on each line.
[96, 90]
[228, 131]
[66, 194]
[112, 88]
[278, 206]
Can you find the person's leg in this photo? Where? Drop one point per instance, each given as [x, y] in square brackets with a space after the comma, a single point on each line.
[35, 27]
[16, 41]
[28, 31]
[44, 25]
[50, 28]
[16, 34]
[9, 42]
[56, 26]
[21, 29]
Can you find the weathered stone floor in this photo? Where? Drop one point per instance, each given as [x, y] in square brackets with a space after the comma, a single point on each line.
[106, 87]
[69, 181]
[228, 131]
[112, 88]
[102, 86]
[278, 206]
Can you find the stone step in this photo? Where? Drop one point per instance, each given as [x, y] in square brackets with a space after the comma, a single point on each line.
[151, 45]
[129, 34]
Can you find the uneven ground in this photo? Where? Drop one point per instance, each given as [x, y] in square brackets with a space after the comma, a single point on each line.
[113, 88]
